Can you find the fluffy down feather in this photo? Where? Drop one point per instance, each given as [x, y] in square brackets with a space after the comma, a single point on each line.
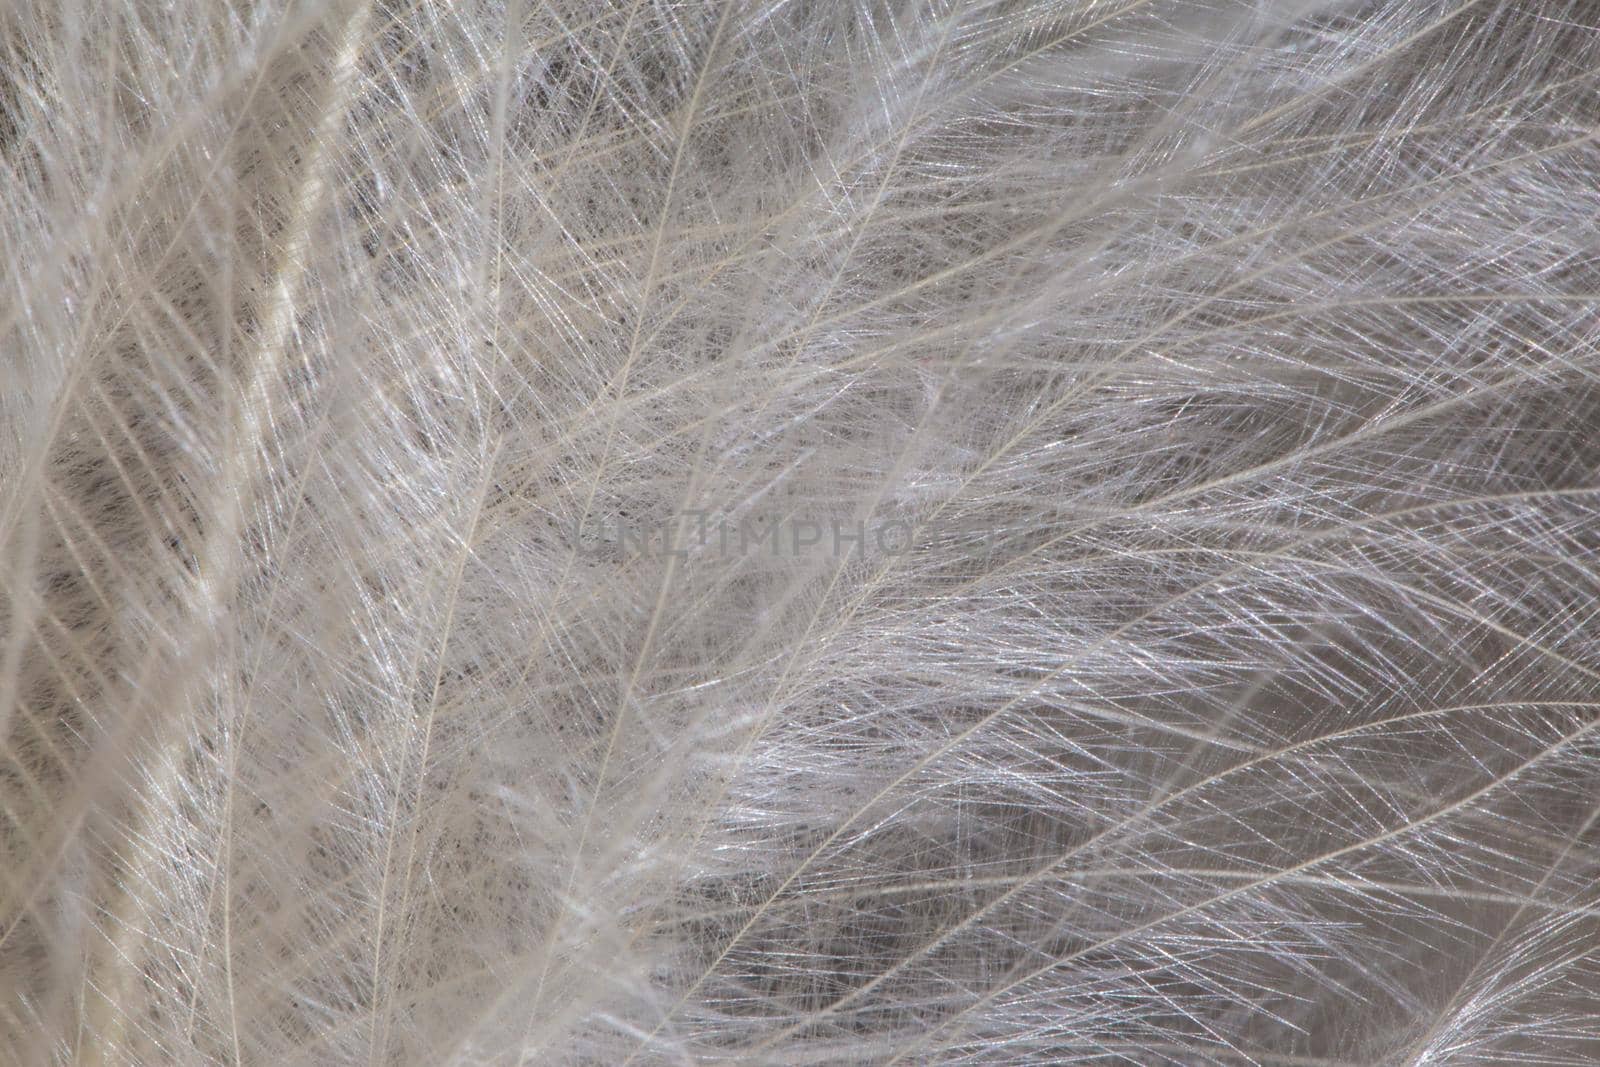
[1160, 441]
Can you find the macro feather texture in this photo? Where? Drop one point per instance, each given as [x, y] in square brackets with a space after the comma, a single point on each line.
[800, 532]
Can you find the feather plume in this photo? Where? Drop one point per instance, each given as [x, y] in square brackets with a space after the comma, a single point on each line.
[800, 532]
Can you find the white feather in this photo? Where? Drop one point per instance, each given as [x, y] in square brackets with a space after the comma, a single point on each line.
[791, 531]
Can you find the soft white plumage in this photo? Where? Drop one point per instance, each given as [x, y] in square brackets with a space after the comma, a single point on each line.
[1235, 701]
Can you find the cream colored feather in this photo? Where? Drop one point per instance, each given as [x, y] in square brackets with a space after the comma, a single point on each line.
[800, 532]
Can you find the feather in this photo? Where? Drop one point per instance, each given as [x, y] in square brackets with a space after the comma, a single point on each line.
[788, 532]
